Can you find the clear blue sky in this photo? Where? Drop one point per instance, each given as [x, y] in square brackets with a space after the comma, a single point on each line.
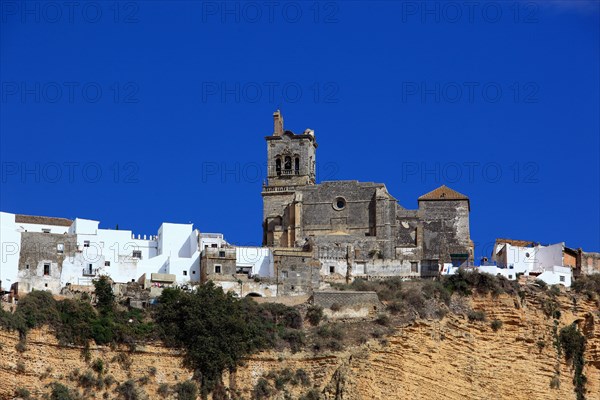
[135, 113]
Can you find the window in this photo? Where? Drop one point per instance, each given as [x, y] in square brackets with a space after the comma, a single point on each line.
[221, 253]
[46, 230]
[107, 263]
[510, 277]
[278, 166]
[214, 245]
[414, 267]
[86, 243]
[332, 269]
[561, 278]
[184, 273]
[193, 272]
[45, 285]
[284, 274]
[26, 266]
[137, 254]
[297, 166]
[46, 269]
[288, 163]
[217, 269]
[60, 248]
[339, 203]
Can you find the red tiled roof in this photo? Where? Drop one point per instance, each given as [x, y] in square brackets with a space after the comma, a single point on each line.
[34, 219]
[443, 193]
[517, 243]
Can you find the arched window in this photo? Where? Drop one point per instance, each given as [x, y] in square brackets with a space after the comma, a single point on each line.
[288, 163]
[278, 166]
[297, 166]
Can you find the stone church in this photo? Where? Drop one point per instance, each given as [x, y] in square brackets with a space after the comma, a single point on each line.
[344, 229]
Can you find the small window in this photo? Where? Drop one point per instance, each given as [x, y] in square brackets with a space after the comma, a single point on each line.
[137, 254]
[193, 272]
[184, 273]
[86, 243]
[60, 248]
[562, 278]
[217, 269]
[221, 254]
[527, 255]
[214, 245]
[45, 285]
[45, 230]
[332, 269]
[26, 266]
[284, 274]
[46, 269]
[339, 203]
[414, 267]
[510, 277]
[107, 263]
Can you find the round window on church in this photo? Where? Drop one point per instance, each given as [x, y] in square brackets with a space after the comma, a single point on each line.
[339, 203]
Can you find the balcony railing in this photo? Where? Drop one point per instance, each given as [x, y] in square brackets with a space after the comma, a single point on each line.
[89, 271]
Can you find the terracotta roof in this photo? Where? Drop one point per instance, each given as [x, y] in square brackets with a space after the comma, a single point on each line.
[518, 243]
[34, 219]
[443, 193]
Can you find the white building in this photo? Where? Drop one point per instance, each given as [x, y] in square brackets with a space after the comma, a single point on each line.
[172, 256]
[545, 262]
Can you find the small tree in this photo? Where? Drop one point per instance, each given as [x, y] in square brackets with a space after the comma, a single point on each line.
[105, 298]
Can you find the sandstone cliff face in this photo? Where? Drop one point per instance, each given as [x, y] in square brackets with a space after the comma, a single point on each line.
[448, 359]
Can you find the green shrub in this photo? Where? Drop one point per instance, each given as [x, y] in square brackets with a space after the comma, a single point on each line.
[541, 284]
[261, 390]
[109, 380]
[588, 285]
[496, 325]
[20, 367]
[314, 314]
[152, 371]
[21, 347]
[98, 365]
[302, 377]
[22, 393]
[335, 345]
[105, 298]
[382, 319]
[540, 345]
[572, 343]
[395, 307]
[87, 380]
[476, 316]
[60, 392]
[335, 307]
[12, 321]
[38, 308]
[436, 290]
[187, 390]
[295, 339]
[163, 390]
[312, 394]
[129, 391]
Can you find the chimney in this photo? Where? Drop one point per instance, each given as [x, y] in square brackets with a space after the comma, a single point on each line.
[278, 123]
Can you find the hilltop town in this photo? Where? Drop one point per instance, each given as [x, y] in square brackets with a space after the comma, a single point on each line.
[314, 235]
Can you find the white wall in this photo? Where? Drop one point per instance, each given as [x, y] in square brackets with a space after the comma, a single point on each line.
[10, 245]
[259, 258]
[556, 275]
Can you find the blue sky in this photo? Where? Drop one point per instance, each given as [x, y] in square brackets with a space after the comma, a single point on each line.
[137, 113]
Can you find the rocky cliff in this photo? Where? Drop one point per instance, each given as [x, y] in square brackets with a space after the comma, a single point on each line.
[451, 358]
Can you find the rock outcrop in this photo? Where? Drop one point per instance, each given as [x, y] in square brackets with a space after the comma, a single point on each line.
[453, 358]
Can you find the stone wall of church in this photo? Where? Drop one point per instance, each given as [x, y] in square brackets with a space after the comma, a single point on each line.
[445, 229]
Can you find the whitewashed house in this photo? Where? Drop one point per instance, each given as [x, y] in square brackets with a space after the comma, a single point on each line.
[530, 259]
